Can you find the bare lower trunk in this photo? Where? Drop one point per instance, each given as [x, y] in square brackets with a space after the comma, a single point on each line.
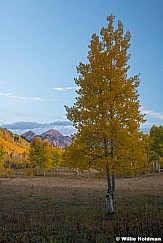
[110, 193]
[37, 171]
[110, 178]
[158, 166]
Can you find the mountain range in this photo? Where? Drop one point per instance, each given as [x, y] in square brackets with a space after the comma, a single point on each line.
[54, 137]
[64, 127]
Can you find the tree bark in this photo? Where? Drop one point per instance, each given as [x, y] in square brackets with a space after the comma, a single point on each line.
[157, 165]
[110, 193]
[37, 171]
[110, 180]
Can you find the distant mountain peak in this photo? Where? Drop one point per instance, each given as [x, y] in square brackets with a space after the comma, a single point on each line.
[30, 132]
[52, 132]
[29, 135]
[54, 137]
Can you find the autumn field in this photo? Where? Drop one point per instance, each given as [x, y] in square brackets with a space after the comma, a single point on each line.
[70, 208]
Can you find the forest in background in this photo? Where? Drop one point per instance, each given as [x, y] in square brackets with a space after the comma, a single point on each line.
[39, 157]
[21, 157]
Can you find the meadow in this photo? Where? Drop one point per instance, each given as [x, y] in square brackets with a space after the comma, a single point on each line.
[71, 208]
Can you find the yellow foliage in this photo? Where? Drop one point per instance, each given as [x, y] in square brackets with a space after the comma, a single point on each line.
[10, 147]
[13, 143]
[106, 113]
[44, 156]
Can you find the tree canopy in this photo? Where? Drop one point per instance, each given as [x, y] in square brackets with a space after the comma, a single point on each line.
[106, 113]
[43, 156]
[156, 134]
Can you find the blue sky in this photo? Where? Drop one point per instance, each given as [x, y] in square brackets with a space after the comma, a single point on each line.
[42, 42]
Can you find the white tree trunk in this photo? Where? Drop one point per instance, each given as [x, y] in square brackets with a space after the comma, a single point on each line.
[37, 171]
[109, 203]
[158, 165]
[110, 193]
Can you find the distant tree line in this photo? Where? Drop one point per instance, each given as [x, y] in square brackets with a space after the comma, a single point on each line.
[42, 157]
[37, 159]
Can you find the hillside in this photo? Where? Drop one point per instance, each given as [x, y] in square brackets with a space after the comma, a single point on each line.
[12, 143]
[54, 137]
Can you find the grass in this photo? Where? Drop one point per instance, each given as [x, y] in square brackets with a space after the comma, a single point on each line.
[66, 208]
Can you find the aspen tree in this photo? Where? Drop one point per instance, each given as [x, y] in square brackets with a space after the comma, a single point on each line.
[106, 113]
[156, 134]
[2, 153]
[36, 154]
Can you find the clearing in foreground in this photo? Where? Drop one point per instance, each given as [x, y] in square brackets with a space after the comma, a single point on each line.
[69, 209]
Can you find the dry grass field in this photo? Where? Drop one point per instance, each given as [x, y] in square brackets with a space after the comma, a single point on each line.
[67, 208]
